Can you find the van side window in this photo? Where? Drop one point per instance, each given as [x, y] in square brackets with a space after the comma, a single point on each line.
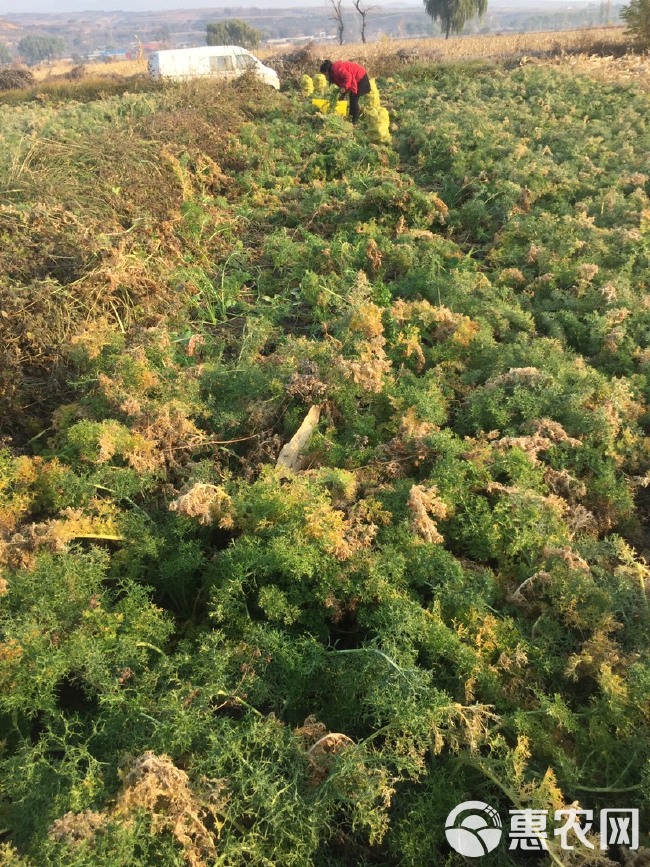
[221, 63]
[244, 61]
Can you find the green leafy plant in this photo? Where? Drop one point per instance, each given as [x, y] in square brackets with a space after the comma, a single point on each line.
[207, 656]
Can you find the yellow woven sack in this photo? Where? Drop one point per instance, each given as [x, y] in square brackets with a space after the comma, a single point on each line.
[306, 85]
[372, 100]
[324, 106]
[320, 83]
[378, 123]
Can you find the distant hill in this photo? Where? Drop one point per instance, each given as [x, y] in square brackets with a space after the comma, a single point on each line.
[54, 7]
[93, 32]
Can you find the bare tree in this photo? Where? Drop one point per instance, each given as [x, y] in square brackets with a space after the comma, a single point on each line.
[363, 11]
[337, 15]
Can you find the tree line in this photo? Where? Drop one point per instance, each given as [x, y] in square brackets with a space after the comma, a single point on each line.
[452, 15]
[34, 49]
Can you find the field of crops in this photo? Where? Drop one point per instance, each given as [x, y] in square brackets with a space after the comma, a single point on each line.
[208, 657]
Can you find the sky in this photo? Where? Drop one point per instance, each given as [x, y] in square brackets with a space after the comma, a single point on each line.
[39, 6]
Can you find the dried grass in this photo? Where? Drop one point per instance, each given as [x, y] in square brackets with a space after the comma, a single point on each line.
[19, 550]
[154, 785]
[629, 69]
[389, 54]
[75, 828]
[209, 503]
[63, 69]
[423, 503]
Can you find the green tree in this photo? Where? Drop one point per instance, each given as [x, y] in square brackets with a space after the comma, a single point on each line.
[5, 54]
[454, 14]
[637, 17]
[233, 32]
[34, 49]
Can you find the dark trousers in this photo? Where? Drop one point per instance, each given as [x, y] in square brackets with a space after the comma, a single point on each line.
[364, 88]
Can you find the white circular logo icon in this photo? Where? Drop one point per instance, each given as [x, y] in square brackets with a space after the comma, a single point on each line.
[473, 828]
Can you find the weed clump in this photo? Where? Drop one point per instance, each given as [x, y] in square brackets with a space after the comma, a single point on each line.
[154, 784]
[15, 79]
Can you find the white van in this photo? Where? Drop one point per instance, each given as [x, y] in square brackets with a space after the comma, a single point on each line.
[217, 61]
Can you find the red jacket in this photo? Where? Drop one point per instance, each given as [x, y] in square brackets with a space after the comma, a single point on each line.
[348, 75]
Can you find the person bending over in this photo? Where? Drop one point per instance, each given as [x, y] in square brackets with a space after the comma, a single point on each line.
[351, 78]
